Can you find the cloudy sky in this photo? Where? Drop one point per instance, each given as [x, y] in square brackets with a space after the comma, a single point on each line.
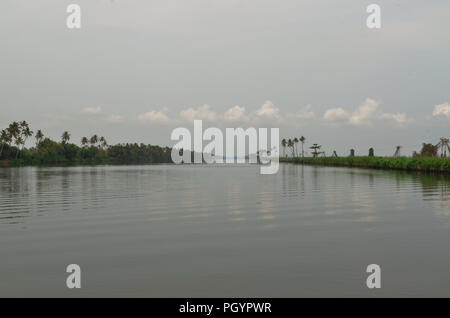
[138, 69]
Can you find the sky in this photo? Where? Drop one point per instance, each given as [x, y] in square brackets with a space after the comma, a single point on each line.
[138, 69]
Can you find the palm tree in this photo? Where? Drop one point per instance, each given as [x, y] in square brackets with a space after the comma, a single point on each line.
[302, 140]
[39, 136]
[103, 142]
[26, 132]
[65, 137]
[20, 132]
[14, 130]
[18, 141]
[93, 140]
[295, 144]
[84, 141]
[5, 138]
[283, 144]
[291, 145]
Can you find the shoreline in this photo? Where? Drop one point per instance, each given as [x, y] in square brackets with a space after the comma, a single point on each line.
[19, 163]
[428, 165]
[419, 164]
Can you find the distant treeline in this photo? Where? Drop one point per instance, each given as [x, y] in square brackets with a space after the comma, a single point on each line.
[426, 164]
[94, 150]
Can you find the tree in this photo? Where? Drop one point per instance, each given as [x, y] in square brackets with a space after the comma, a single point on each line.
[295, 144]
[371, 152]
[93, 140]
[5, 138]
[291, 145]
[284, 144]
[302, 140]
[14, 131]
[39, 137]
[316, 148]
[103, 142]
[65, 137]
[49, 151]
[84, 141]
[18, 141]
[26, 133]
[20, 131]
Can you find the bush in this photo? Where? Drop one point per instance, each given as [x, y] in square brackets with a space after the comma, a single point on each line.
[429, 164]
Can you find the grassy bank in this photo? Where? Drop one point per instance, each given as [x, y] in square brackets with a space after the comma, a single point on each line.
[426, 164]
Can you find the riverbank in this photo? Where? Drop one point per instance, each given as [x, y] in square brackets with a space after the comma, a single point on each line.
[437, 165]
[109, 161]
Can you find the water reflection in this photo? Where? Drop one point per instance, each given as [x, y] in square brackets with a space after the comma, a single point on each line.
[200, 224]
[337, 191]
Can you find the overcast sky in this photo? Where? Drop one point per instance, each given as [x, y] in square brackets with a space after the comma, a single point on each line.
[138, 69]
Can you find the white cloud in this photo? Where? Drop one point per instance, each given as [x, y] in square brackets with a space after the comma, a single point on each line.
[365, 112]
[268, 111]
[236, 113]
[364, 115]
[399, 118]
[114, 119]
[442, 110]
[303, 113]
[92, 110]
[201, 113]
[155, 116]
[336, 114]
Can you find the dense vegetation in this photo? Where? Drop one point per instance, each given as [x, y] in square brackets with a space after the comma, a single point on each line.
[94, 150]
[427, 159]
[427, 164]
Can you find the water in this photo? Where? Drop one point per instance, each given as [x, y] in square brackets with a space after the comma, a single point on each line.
[225, 231]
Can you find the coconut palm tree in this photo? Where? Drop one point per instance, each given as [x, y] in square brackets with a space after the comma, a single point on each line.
[291, 145]
[18, 141]
[5, 138]
[65, 137]
[302, 140]
[39, 136]
[295, 144]
[84, 141]
[93, 140]
[284, 144]
[3, 134]
[26, 133]
[20, 131]
[14, 130]
[103, 142]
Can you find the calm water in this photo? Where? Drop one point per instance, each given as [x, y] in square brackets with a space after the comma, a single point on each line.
[194, 231]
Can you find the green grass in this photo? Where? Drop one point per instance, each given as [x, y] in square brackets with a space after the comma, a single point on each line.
[426, 164]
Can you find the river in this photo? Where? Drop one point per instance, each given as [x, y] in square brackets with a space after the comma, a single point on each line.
[223, 231]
